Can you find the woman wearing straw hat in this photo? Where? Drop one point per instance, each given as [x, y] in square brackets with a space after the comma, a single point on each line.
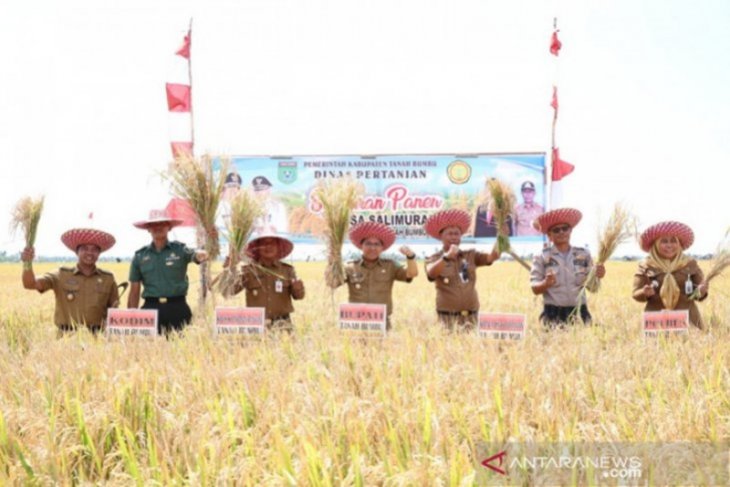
[454, 270]
[162, 267]
[560, 272]
[370, 278]
[270, 283]
[83, 292]
[667, 277]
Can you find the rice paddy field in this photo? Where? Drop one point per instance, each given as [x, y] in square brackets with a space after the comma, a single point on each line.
[317, 408]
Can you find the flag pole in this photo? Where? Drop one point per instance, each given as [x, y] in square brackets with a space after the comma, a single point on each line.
[549, 167]
[201, 236]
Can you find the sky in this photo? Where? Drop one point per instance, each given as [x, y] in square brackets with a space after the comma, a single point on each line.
[643, 85]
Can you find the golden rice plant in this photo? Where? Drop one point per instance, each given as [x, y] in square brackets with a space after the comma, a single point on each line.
[720, 262]
[245, 208]
[338, 197]
[25, 217]
[196, 180]
[620, 228]
[500, 202]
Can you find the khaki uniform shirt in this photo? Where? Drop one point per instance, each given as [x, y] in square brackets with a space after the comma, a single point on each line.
[81, 299]
[164, 273]
[271, 290]
[455, 287]
[570, 271]
[646, 274]
[524, 215]
[372, 283]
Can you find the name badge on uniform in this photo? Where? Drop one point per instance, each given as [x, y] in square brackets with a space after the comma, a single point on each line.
[279, 286]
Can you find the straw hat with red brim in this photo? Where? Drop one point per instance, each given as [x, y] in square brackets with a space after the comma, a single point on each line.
[549, 219]
[157, 216]
[447, 218]
[684, 234]
[87, 236]
[285, 246]
[362, 231]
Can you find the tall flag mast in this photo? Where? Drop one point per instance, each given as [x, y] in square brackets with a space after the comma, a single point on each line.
[558, 167]
[179, 100]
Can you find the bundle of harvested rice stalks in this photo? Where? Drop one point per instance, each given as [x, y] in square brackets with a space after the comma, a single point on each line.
[500, 203]
[338, 197]
[620, 228]
[720, 262]
[25, 216]
[245, 208]
[195, 180]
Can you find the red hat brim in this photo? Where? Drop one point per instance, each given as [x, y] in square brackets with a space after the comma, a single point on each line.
[683, 232]
[365, 230]
[549, 219]
[447, 218]
[285, 246]
[87, 236]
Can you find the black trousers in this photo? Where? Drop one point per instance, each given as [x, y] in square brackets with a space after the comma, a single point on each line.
[173, 315]
[558, 316]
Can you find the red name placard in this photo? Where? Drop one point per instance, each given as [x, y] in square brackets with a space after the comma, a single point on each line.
[126, 322]
[656, 322]
[503, 326]
[364, 318]
[239, 321]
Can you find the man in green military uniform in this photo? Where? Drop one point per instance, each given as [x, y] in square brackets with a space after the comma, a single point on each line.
[370, 279]
[83, 292]
[161, 267]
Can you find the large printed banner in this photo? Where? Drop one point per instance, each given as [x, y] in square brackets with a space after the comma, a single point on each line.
[400, 190]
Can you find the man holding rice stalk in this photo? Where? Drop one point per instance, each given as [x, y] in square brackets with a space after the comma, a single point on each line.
[454, 270]
[270, 283]
[83, 292]
[162, 268]
[370, 279]
[667, 278]
[561, 271]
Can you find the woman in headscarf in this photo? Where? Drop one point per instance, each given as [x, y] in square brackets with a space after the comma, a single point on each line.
[667, 277]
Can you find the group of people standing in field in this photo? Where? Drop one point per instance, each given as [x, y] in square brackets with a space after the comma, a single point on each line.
[666, 279]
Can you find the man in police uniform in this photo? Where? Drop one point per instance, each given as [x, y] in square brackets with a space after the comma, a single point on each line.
[270, 283]
[527, 212]
[370, 279]
[162, 268]
[560, 272]
[454, 270]
[83, 292]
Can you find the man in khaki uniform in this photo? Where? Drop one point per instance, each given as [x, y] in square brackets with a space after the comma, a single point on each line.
[527, 211]
[83, 292]
[270, 283]
[560, 272]
[454, 270]
[370, 279]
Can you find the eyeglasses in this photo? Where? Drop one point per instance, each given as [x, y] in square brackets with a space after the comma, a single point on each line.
[560, 229]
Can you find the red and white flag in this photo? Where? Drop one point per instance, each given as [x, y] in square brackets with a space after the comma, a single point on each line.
[179, 100]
